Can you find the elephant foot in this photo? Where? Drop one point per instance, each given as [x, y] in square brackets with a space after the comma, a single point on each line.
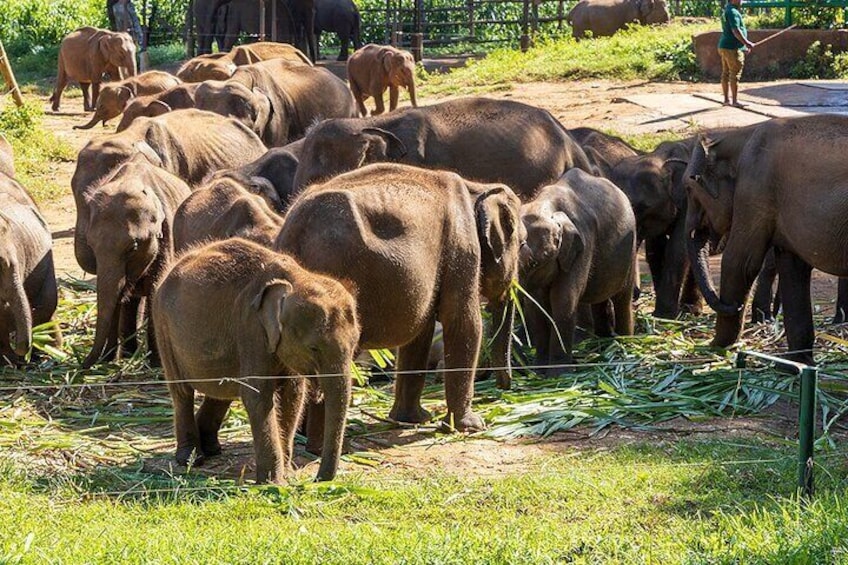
[470, 422]
[503, 380]
[186, 455]
[694, 309]
[416, 415]
[210, 446]
[664, 313]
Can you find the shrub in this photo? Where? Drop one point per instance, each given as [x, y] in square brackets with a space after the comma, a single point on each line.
[818, 63]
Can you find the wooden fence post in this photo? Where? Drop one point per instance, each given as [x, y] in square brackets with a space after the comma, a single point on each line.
[525, 36]
[9, 77]
[189, 30]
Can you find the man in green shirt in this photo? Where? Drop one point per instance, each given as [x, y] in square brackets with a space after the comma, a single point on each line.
[731, 48]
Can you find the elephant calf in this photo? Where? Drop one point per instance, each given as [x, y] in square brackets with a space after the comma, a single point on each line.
[221, 210]
[272, 176]
[180, 97]
[271, 318]
[581, 248]
[115, 97]
[373, 69]
[28, 294]
[605, 17]
[419, 246]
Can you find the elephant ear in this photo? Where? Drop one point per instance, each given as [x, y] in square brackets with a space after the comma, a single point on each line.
[264, 111]
[702, 155]
[269, 304]
[145, 149]
[386, 59]
[125, 95]
[157, 108]
[601, 166]
[571, 243]
[672, 170]
[382, 143]
[498, 214]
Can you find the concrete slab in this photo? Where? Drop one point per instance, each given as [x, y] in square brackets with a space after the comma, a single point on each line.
[678, 112]
[827, 84]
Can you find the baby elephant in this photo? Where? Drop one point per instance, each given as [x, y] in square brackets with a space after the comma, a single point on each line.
[222, 209]
[581, 248]
[179, 97]
[27, 281]
[373, 69]
[115, 97]
[272, 324]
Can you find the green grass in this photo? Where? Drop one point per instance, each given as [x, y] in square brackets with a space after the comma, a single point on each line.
[648, 53]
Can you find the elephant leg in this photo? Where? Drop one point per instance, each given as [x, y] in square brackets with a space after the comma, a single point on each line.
[95, 93]
[603, 319]
[691, 299]
[740, 264]
[61, 83]
[393, 97]
[128, 333]
[185, 425]
[459, 311]
[671, 270]
[360, 99]
[290, 395]
[314, 420]
[622, 306]
[538, 326]
[761, 306]
[343, 51]
[258, 396]
[797, 306]
[87, 105]
[378, 102]
[408, 384]
[7, 354]
[503, 320]
[655, 255]
[841, 302]
[152, 347]
[209, 418]
[564, 300]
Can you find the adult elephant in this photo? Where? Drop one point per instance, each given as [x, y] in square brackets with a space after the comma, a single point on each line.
[482, 139]
[342, 18]
[85, 55]
[187, 143]
[277, 100]
[228, 19]
[605, 17]
[780, 184]
[418, 246]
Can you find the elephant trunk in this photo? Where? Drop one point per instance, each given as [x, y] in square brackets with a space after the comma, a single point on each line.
[503, 318]
[110, 285]
[21, 312]
[697, 244]
[412, 91]
[98, 116]
[337, 394]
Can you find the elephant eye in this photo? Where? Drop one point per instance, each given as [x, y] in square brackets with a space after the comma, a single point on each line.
[135, 244]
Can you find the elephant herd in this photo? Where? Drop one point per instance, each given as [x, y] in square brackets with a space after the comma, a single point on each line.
[269, 234]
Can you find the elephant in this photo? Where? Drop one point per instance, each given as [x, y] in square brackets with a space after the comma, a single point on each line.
[217, 66]
[340, 17]
[481, 139]
[374, 68]
[226, 20]
[187, 143]
[87, 53]
[221, 66]
[653, 182]
[28, 292]
[7, 157]
[419, 245]
[114, 97]
[271, 176]
[605, 17]
[603, 150]
[223, 209]
[581, 248]
[274, 324]
[277, 100]
[180, 97]
[303, 26]
[777, 184]
[128, 234]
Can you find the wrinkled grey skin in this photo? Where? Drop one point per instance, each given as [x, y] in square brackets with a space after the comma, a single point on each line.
[128, 235]
[605, 17]
[28, 294]
[481, 139]
[418, 246]
[7, 157]
[85, 55]
[271, 176]
[746, 186]
[178, 98]
[342, 18]
[277, 100]
[580, 249]
[223, 209]
[271, 318]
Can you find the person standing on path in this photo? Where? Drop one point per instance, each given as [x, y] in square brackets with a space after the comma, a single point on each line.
[731, 48]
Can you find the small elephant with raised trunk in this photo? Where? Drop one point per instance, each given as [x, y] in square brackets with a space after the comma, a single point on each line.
[273, 324]
[28, 294]
[373, 69]
[180, 97]
[580, 249]
[115, 97]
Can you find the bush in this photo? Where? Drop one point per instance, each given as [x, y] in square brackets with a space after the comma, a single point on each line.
[30, 26]
[818, 63]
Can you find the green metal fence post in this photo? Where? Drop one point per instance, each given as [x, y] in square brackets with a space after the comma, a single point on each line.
[806, 430]
[787, 19]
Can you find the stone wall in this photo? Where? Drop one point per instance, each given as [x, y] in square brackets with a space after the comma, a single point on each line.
[772, 59]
